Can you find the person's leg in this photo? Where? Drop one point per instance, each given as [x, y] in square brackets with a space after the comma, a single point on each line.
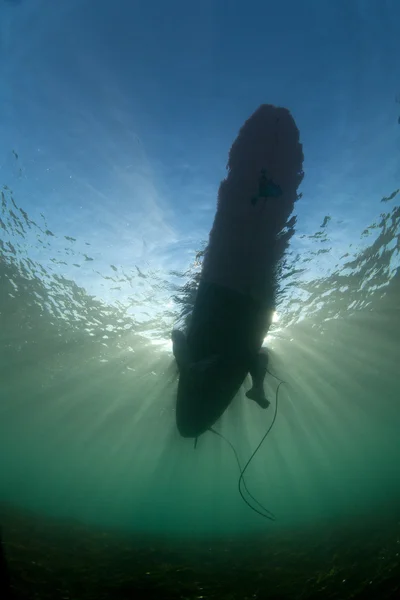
[258, 369]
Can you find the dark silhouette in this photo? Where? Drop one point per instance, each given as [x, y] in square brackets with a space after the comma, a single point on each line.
[236, 296]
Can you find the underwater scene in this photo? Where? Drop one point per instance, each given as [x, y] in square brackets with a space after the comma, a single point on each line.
[199, 300]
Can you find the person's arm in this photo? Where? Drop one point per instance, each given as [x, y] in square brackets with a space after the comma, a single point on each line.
[180, 349]
[183, 359]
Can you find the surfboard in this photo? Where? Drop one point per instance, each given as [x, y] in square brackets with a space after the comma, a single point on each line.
[236, 296]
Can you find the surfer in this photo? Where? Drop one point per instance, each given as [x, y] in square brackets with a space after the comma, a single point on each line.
[258, 366]
[236, 295]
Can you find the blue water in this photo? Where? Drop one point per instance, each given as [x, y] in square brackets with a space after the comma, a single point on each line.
[117, 119]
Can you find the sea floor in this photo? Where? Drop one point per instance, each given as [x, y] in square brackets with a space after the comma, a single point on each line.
[66, 560]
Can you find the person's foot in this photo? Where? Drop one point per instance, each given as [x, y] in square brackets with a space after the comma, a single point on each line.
[258, 396]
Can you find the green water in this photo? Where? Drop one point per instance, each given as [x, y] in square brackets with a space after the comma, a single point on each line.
[87, 405]
[87, 426]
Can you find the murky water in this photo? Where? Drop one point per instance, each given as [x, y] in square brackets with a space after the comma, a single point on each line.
[108, 195]
[88, 427]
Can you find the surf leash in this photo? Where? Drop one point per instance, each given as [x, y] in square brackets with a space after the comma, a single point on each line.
[261, 510]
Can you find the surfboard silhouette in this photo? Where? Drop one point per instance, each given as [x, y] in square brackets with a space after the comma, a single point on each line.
[237, 291]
